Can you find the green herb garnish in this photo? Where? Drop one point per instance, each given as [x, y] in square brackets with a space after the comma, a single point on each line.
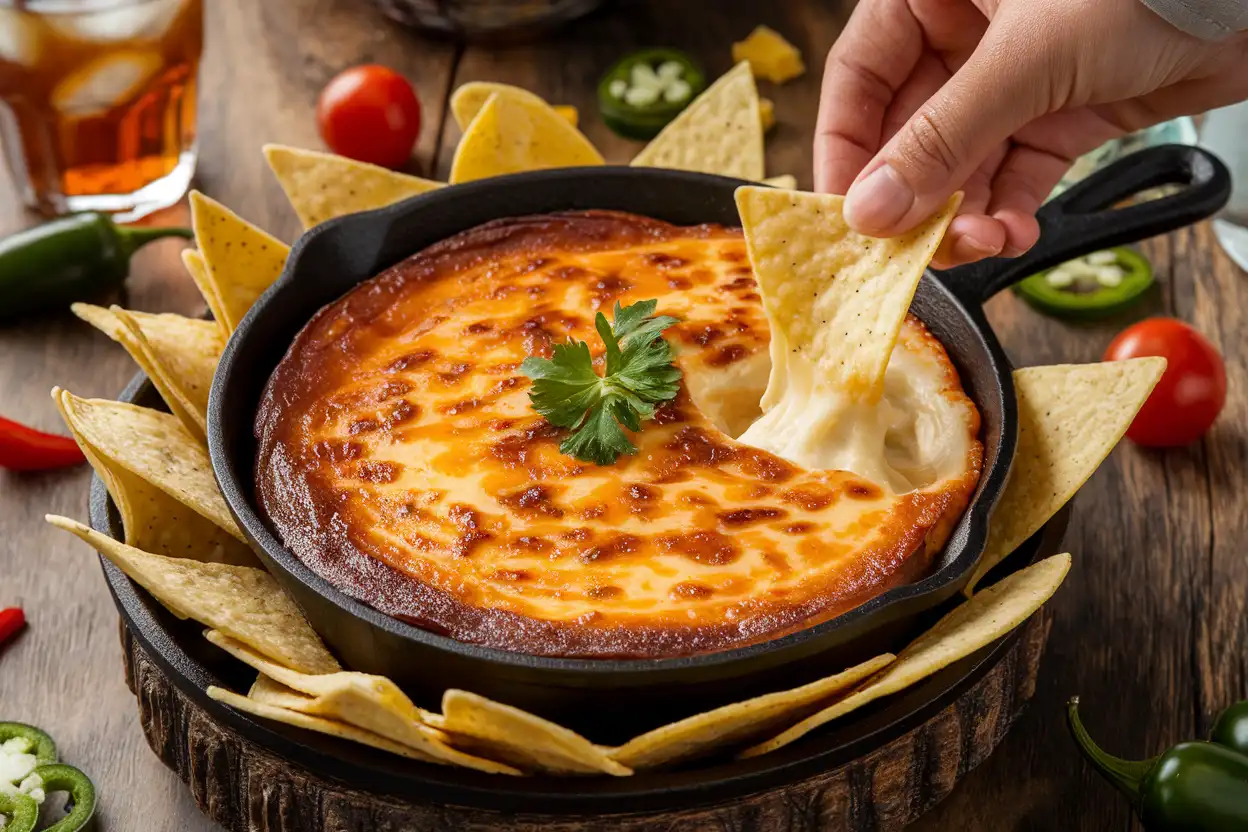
[640, 374]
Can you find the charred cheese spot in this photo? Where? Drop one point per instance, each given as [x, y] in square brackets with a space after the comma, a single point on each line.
[399, 456]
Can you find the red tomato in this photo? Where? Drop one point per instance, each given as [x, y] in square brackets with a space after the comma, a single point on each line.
[371, 114]
[1192, 390]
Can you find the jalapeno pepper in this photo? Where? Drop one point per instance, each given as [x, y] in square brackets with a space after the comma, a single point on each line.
[73, 258]
[21, 810]
[1099, 284]
[1193, 787]
[1231, 729]
[27, 449]
[643, 91]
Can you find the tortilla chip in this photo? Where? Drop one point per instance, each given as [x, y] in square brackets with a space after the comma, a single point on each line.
[521, 738]
[242, 261]
[372, 703]
[720, 132]
[469, 98]
[193, 261]
[153, 446]
[512, 134]
[971, 626]
[786, 181]
[266, 691]
[245, 603]
[179, 355]
[738, 722]
[314, 723]
[323, 186]
[836, 297]
[1070, 416]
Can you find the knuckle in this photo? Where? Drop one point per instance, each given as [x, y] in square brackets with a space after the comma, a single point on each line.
[931, 144]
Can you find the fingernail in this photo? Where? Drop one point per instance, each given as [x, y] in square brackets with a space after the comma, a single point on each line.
[968, 249]
[875, 204]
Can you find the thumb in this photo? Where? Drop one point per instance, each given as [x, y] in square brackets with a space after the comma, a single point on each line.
[990, 97]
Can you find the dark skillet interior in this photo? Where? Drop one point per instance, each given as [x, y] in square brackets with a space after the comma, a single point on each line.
[335, 257]
[192, 664]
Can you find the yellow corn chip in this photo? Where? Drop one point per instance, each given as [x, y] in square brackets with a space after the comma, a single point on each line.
[1070, 416]
[512, 134]
[179, 355]
[331, 727]
[720, 132]
[469, 98]
[194, 263]
[972, 625]
[770, 56]
[373, 703]
[521, 738]
[322, 186]
[767, 113]
[738, 722]
[787, 181]
[151, 445]
[242, 602]
[837, 297]
[269, 692]
[242, 261]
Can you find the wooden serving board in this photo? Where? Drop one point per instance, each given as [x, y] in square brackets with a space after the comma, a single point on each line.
[247, 788]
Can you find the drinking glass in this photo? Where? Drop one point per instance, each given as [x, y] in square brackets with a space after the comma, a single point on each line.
[97, 102]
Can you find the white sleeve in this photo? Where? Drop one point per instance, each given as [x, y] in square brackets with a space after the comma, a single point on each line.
[1207, 19]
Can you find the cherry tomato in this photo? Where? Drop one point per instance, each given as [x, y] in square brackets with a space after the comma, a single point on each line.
[1192, 390]
[371, 114]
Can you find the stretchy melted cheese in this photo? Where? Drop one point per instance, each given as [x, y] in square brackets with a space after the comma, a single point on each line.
[400, 459]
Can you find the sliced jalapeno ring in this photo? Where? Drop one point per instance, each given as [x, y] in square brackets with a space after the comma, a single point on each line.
[20, 812]
[59, 777]
[645, 90]
[41, 745]
[1094, 286]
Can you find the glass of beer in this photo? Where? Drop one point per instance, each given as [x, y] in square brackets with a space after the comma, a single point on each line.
[97, 102]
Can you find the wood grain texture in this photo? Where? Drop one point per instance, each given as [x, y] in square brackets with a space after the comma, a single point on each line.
[1151, 627]
[244, 787]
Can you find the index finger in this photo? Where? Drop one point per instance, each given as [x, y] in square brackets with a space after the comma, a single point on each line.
[869, 62]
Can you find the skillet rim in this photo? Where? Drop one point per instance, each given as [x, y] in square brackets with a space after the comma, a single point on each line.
[969, 535]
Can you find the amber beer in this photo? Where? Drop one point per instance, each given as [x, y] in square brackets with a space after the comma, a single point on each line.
[97, 101]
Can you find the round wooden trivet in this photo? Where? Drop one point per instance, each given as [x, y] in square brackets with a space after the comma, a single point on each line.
[247, 788]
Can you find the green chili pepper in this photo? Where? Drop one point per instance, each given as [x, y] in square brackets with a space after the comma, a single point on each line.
[643, 91]
[1075, 290]
[1193, 787]
[41, 745]
[77, 257]
[20, 811]
[1231, 729]
[59, 777]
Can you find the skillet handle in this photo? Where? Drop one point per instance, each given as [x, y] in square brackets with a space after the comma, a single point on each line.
[1082, 220]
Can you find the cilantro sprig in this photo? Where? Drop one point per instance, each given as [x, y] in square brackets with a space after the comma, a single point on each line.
[639, 375]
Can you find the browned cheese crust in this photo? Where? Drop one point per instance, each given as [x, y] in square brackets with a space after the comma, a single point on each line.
[400, 459]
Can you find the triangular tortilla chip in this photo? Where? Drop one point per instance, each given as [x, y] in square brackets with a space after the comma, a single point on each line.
[151, 445]
[245, 603]
[786, 181]
[720, 132]
[318, 724]
[1070, 416]
[242, 261]
[178, 354]
[267, 691]
[373, 703]
[512, 135]
[323, 186]
[194, 263]
[521, 738]
[738, 722]
[972, 625]
[469, 98]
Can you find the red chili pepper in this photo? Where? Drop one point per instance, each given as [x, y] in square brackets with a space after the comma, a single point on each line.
[11, 620]
[26, 449]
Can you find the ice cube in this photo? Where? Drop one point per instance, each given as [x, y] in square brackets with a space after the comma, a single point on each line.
[20, 37]
[105, 82]
[143, 21]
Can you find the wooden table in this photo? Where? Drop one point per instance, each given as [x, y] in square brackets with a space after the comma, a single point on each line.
[1151, 627]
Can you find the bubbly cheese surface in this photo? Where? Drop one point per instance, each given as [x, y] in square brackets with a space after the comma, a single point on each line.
[399, 456]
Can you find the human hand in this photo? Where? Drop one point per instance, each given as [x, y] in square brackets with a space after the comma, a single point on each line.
[997, 98]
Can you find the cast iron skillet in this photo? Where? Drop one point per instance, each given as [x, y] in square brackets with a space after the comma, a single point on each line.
[335, 257]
